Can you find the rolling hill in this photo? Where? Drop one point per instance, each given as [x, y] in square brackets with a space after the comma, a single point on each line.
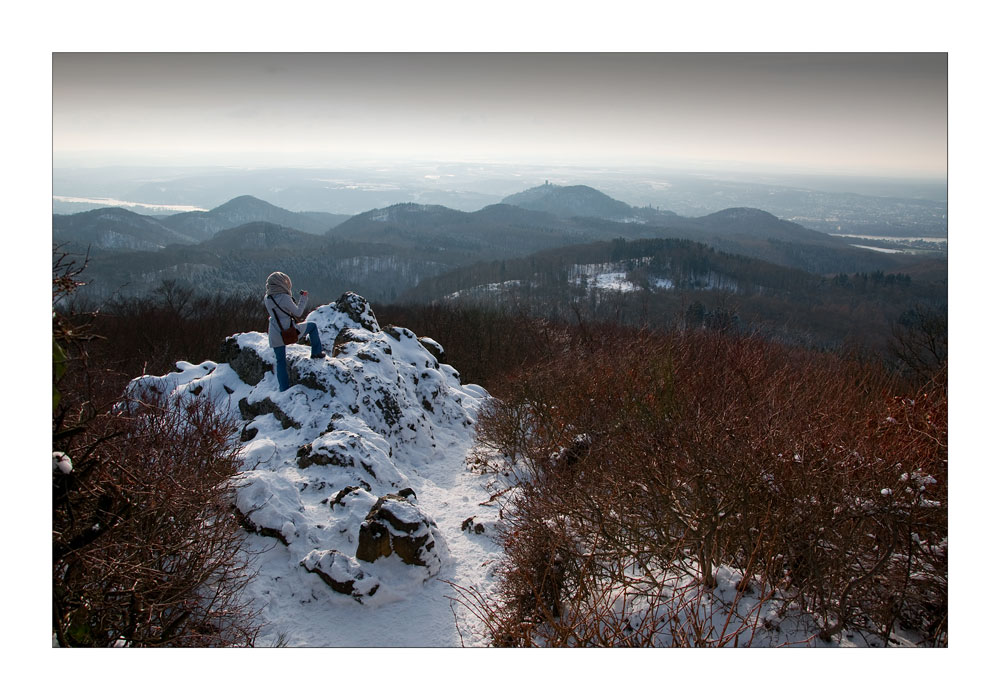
[571, 201]
[384, 252]
[114, 228]
[202, 225]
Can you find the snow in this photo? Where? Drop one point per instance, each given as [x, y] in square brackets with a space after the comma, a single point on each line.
[110, 202]
[376, 417]
[486, 290]
[724, 615]
[880, 250]
[61, 462]
[613, 276]
[608, 276]
[614, 281]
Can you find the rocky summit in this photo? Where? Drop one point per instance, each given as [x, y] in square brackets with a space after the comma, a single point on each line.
[329, 465]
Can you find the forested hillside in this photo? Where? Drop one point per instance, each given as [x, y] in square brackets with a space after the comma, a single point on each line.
[668, 283]
[385, 252]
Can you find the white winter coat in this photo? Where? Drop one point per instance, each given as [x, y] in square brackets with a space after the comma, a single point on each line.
[286, 309]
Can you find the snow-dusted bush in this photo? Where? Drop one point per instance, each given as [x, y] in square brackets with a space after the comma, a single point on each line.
[729, 491]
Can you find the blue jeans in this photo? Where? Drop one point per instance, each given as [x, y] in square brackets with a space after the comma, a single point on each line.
[281, 367]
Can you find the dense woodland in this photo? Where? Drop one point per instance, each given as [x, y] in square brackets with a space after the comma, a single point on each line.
[707, 288]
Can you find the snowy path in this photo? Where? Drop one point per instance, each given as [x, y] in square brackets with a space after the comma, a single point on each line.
[301, 613]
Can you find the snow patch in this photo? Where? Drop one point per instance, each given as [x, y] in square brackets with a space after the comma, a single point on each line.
[61, 462]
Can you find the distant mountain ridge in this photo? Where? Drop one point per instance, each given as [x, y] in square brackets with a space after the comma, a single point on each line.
[747, 221]
[510, 229]
[114, 228]
[581, 201]
[384, 252]
[202, 225]
[540, 217]
[117, 229]
[571, 201]
[494, 231]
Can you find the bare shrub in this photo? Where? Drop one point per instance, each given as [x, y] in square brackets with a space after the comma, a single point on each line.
[146, 551]
[485, 344]
[146, 335]
[919, 341]
[809, 473]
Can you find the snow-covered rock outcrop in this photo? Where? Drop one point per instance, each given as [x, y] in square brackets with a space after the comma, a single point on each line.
[328, 463]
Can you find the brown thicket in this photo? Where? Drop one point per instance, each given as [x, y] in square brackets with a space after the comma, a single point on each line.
[147, 335]
[648, 461]
[919, 341]
[484, 344]
[146, 551]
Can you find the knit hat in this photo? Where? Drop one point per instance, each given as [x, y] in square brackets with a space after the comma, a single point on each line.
[279, 283]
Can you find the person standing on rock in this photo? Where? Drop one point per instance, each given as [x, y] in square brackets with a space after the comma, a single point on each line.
[283, 313]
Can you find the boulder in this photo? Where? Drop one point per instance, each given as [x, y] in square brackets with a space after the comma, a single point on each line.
[388, 407]
[308, 455]
[345, 336]
[250, 526]
[469, 525]
[358, 310]
[307, 375]
[249, 411]
[249, 366]
[374, 541]
[394, 525]
[434, 348]
[340, 573]
[347, 491]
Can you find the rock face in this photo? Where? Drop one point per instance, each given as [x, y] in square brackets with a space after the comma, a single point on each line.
[358, 310]
[394, 525]
[265, 406]
[323, 461]
[434, 348]
[249, 366]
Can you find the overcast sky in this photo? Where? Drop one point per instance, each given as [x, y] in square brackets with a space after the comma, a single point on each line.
[864, 114]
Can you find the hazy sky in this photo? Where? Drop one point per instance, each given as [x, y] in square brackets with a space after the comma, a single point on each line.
[875, 114]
